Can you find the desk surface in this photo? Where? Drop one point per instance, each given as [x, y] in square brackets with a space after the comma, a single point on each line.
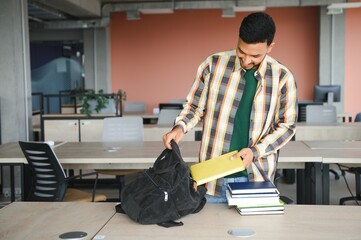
[34, 220]
[343, 152]
[321, 145]
[47, 220]
[213, 222]
[336, 131]
[112, 155]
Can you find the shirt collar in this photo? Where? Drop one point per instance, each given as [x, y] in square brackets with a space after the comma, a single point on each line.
[261, 71]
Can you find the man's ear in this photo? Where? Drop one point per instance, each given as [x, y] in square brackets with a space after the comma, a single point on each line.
[270, 47]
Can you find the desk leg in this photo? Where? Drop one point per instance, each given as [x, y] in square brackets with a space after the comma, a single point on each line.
[318, 193]
[300, 182]
[22, 182]
[12, 183]
[308, 181]
[326, 184]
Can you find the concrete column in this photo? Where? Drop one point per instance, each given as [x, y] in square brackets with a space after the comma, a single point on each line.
[332, 52]
[97, 59]
[15, 91]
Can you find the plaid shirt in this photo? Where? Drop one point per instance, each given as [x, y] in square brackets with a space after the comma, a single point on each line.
[214, 99]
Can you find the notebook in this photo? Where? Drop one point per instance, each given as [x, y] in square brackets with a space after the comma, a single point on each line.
[252, 187]
[216, 167]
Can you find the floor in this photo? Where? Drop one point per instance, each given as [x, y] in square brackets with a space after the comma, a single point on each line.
[338, 189]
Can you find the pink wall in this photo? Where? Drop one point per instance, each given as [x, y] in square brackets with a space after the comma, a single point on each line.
[155, 59]
[352, 62]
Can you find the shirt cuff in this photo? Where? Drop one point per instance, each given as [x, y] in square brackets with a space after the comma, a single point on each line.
[179, 126]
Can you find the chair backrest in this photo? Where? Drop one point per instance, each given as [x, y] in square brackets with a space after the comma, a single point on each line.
[134, 107]
[358, 117]
[120, 129]
[321, 114]
[167, 117]
[48, 177]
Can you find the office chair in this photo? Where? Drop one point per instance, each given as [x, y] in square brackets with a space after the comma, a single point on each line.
[285, 199]
[49, 182]
[122, 129]
[357, 197]
[358, 117]
[167, 117]
[357, 172]
[321, 114]
[134, 107]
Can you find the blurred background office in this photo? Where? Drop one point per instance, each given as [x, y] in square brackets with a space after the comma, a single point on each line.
[151, 49]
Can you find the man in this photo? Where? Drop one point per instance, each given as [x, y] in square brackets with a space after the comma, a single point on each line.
[247, 101]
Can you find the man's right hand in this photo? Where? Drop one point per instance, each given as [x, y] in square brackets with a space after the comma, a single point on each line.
[176, 134]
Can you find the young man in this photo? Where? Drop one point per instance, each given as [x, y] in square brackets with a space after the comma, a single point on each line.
[247, 102]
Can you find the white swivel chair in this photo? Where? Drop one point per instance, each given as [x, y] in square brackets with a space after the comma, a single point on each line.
[134, 107]
[321, 114]
[122, 129]
[167, 117]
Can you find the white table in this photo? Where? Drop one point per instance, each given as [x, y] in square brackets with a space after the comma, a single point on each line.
[336, 131]
[335, 152]
[213, 222]
[102, 155]
[47, 220]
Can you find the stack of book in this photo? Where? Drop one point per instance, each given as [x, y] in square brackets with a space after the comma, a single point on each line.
[254, 198]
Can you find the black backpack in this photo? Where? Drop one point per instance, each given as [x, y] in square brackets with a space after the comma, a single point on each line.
[163, 193]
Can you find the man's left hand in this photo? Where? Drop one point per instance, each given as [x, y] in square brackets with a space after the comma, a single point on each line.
[247, 156]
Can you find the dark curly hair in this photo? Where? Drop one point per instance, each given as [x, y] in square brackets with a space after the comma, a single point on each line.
[257, 27]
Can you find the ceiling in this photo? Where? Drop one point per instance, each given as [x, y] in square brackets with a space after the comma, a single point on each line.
[58, 14]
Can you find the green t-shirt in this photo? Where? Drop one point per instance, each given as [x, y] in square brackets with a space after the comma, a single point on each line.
[240, 135]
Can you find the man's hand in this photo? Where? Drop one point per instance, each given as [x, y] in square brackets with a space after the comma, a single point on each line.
[247, 156]
[176, 134]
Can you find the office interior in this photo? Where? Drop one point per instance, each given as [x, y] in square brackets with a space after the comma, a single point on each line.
[153, 57]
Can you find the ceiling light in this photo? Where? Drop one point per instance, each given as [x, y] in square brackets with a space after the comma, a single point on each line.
[344, 5]
[156, 11]
[228, 13]
[133, 15]
[333, 11]
[337, 8]
[249, 8]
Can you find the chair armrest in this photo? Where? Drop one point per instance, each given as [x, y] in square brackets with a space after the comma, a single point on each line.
[69, 179]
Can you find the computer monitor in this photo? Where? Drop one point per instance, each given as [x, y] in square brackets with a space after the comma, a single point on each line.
[327, 93]
[170, 106]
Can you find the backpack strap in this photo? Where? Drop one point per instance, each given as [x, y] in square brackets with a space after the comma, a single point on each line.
[169, 224]
[119, 209]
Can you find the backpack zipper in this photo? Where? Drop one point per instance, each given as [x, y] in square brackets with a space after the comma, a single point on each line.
[155, 184]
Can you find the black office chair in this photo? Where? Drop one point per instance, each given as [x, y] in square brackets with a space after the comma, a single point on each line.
[49, 182]
[358, 117]
[285, 199]
[357, 197]
[357, 172]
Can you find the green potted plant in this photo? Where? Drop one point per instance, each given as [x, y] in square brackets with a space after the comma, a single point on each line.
[100, 102]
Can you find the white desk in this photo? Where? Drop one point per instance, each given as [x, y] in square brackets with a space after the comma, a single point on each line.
[213, 222]
[102, 155]
[34, 220]
[47, 220]
[337, 131]
[335, 152]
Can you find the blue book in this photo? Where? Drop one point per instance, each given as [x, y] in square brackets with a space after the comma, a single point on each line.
[252, 187]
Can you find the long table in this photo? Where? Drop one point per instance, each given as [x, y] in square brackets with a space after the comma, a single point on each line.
[47, 220]
[105, 155]
[33, 220]
[215, 220]
[115, 155]
[335, 152]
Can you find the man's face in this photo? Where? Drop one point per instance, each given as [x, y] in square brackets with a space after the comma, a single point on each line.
[251, 55]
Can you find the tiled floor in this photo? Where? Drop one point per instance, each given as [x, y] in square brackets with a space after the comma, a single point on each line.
[338, 189]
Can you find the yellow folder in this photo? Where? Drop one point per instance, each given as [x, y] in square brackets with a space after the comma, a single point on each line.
[216, 167]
